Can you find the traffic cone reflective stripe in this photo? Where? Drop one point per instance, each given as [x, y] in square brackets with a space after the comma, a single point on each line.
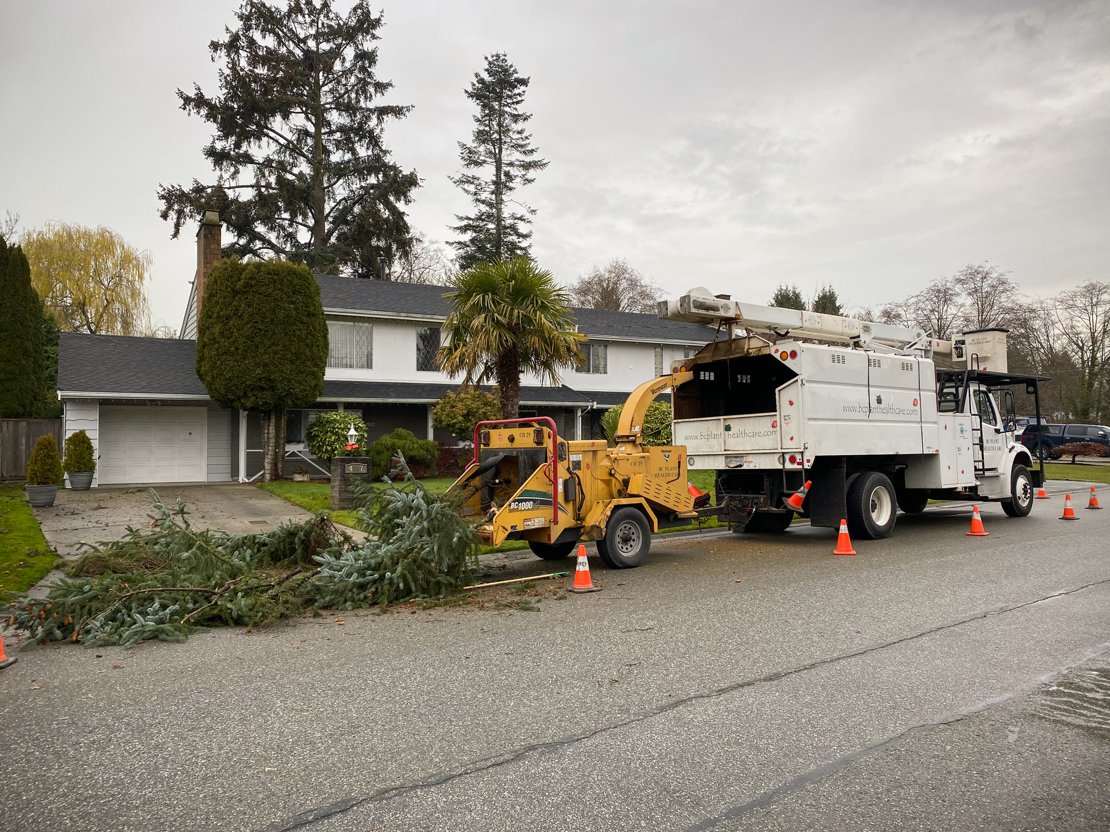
[4, 660]
[1093, 504]
[1069, 512]
[796, 499]
[843, 542]
[582, 582]
[977, 529]
[1042, 494]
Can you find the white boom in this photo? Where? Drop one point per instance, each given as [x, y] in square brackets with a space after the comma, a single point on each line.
[701, 306]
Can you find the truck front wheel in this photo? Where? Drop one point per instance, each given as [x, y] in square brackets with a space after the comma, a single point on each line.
[627, 539]
[871, 506]
[1021, 493]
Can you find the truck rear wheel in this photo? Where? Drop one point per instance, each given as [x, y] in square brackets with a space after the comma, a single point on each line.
[1021, 493]
[552, 551]
[627, 539]
[871, 506]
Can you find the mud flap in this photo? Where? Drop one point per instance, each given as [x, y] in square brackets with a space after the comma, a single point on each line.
[827, 499]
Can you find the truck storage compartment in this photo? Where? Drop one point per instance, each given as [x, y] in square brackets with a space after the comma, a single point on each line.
[738, 386]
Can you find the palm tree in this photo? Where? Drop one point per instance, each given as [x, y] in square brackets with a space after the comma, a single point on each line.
[509, 318]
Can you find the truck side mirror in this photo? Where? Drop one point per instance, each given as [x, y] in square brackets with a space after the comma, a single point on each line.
[1009, 422]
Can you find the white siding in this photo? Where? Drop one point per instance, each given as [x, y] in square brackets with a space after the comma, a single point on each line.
[629, 363]
[83, 414]
[189, 324]
[219, 444]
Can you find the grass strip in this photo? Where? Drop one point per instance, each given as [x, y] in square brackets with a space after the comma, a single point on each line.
[24, 556]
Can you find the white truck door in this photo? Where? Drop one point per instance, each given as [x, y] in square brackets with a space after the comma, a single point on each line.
[994, 439]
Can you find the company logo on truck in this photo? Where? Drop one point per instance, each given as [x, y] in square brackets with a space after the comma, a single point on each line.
[880, 408]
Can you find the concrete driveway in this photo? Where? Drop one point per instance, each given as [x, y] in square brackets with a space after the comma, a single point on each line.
[103, 514]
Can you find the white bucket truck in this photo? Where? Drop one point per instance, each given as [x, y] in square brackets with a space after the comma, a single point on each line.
[782, 397]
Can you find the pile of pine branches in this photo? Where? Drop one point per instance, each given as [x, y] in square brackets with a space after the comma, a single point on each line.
[163, 581]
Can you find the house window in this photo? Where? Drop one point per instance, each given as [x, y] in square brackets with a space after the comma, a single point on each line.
[350, 343]
[689, 352]
[427, 344]
[659, 361]
[595, 359]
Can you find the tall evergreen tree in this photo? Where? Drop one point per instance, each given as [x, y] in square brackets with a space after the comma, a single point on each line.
[262, 343]
[22, 377]
[302, 169]
[499, 159]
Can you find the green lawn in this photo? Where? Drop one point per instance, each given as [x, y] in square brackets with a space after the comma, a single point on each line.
[1079, 471]
[24, 556]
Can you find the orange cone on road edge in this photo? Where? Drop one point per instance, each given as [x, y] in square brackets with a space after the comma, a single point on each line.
[1093, 504]
[796, 499]
[4, 660]
[1069, 512]
[1042, 494]
[582, 582]
[977, 529]
[843, 542]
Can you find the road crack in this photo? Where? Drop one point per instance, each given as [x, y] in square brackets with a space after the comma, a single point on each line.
[304, 819]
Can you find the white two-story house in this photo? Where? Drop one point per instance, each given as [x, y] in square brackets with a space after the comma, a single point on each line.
[151, 420]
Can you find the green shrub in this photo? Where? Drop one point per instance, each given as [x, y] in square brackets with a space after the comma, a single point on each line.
[327, 435]
[45, 466]
[416, 451]
[79, 453]
[656, 429]
[458, 411]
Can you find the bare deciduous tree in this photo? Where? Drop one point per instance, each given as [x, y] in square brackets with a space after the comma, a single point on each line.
[988, 296]
[427, 262]
[1083, 322]
[618, 287]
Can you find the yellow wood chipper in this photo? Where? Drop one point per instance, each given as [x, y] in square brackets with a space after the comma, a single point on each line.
[525, 482]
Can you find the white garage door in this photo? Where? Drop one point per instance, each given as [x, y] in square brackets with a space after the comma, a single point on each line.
[152, 444]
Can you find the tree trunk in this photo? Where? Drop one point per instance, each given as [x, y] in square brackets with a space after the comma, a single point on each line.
[508, 385]
[273, 444]
[267, 446]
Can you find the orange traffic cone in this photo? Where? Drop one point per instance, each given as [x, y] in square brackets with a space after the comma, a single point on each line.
[977, 529]
[4, 660]
[1042, 494]
[796, 499]
[1093, 504]
[582, 582]
[1069, 512]
[843, 542]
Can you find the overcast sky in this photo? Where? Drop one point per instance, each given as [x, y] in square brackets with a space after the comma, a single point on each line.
[735, 145]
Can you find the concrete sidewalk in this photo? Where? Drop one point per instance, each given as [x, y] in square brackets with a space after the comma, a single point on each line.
[103, 514]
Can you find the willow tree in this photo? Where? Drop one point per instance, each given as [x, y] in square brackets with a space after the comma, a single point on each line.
[89, 279]
[508, 318]
[262, 344]
[302, 169]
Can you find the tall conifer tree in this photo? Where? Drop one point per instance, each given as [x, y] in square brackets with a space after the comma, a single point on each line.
[302, 171]
[499, 159]
[22, 378]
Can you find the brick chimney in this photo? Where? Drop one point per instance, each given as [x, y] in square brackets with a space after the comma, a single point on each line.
[208, 252]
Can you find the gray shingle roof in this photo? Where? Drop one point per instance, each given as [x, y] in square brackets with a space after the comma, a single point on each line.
[362, 295]
[117, 365]
[120, 364]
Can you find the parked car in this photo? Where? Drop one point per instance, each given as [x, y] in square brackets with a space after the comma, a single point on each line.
[1043, 439]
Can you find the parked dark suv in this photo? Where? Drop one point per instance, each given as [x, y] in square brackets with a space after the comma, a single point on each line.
[1042, 440]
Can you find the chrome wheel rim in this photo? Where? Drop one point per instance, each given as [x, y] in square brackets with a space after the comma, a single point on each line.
[628, 538]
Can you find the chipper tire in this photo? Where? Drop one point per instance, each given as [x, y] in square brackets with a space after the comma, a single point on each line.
[552, 551]
[627, 539]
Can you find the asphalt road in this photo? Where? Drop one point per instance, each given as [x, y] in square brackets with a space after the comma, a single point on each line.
[935, 681]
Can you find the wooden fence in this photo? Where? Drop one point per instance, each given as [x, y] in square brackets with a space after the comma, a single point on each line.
[17, 440]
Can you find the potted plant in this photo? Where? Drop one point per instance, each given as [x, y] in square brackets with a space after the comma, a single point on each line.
[44, 472]
[79, 462]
